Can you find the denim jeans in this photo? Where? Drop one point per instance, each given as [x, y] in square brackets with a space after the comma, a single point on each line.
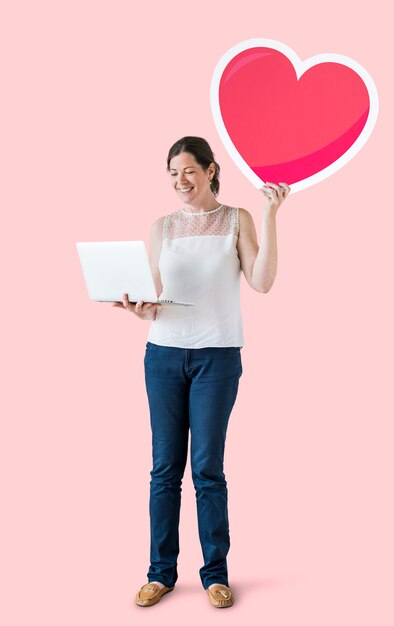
[189, 388]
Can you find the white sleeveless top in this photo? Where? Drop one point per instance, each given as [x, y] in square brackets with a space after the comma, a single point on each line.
[199, 263]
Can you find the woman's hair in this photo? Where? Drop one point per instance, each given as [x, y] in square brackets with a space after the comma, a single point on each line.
[201, 150]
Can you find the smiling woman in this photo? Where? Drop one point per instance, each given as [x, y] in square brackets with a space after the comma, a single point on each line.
[189, 169]
[193, 357]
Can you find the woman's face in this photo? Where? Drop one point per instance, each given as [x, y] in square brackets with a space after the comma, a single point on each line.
[189, 179]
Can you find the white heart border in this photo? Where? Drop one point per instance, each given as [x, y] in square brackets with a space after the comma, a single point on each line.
[300, 67]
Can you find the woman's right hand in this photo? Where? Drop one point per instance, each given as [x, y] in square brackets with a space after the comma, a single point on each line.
[143, 310]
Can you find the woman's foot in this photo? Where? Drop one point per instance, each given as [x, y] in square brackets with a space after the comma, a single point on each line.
[151, 593]
[220, 596]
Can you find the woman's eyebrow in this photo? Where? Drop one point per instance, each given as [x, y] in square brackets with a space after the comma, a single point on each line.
[185, 168]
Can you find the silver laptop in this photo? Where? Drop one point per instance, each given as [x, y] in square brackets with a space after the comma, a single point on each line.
[112, 268]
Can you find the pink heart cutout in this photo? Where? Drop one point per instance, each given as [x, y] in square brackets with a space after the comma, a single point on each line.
[285, 120]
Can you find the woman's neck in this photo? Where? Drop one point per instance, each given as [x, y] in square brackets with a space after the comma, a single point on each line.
[207, 204]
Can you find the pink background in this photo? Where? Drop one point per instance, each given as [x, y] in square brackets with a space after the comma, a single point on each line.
[93, 96]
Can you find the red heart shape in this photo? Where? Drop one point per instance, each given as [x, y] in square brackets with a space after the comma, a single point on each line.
[284, 120]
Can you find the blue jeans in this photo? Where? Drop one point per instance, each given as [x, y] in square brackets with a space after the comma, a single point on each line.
[189, 388]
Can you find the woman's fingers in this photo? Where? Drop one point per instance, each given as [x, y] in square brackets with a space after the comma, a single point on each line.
[143, 307]
[144, 310]
[125, 300]
[285, 188]
[279, 190]
[131, 306]
[275, 187]
[140, 307]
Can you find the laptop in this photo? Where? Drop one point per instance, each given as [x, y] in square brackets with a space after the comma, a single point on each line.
[112, 268]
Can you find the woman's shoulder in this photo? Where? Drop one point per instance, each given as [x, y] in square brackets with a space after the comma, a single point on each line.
[245, 217]
[160, 225]
[244, 213]
[157, 226]
[159, 221]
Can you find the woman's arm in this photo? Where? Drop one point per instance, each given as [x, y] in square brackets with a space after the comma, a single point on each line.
[259, 263]
[156, 241]
[148, 310]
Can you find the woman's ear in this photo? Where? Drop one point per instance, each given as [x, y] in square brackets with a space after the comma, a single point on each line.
[211, 170]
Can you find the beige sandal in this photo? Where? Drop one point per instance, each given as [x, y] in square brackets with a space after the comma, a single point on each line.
[150, 593]
[220, 596]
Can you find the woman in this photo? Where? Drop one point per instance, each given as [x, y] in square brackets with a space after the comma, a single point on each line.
[193, 360]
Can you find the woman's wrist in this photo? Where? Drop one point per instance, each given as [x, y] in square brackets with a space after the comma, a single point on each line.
[269, 213]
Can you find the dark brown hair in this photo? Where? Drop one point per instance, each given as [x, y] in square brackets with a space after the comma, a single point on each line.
[201, 150]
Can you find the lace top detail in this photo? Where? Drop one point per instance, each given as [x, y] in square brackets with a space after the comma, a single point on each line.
[224, 220]
[199, 264]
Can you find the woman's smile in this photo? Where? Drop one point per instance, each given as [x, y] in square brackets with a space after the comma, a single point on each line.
[185, 190]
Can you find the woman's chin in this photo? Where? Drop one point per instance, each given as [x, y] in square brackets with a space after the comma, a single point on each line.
[186, 197]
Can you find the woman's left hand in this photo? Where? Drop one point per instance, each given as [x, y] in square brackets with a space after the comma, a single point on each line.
[275, 194]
